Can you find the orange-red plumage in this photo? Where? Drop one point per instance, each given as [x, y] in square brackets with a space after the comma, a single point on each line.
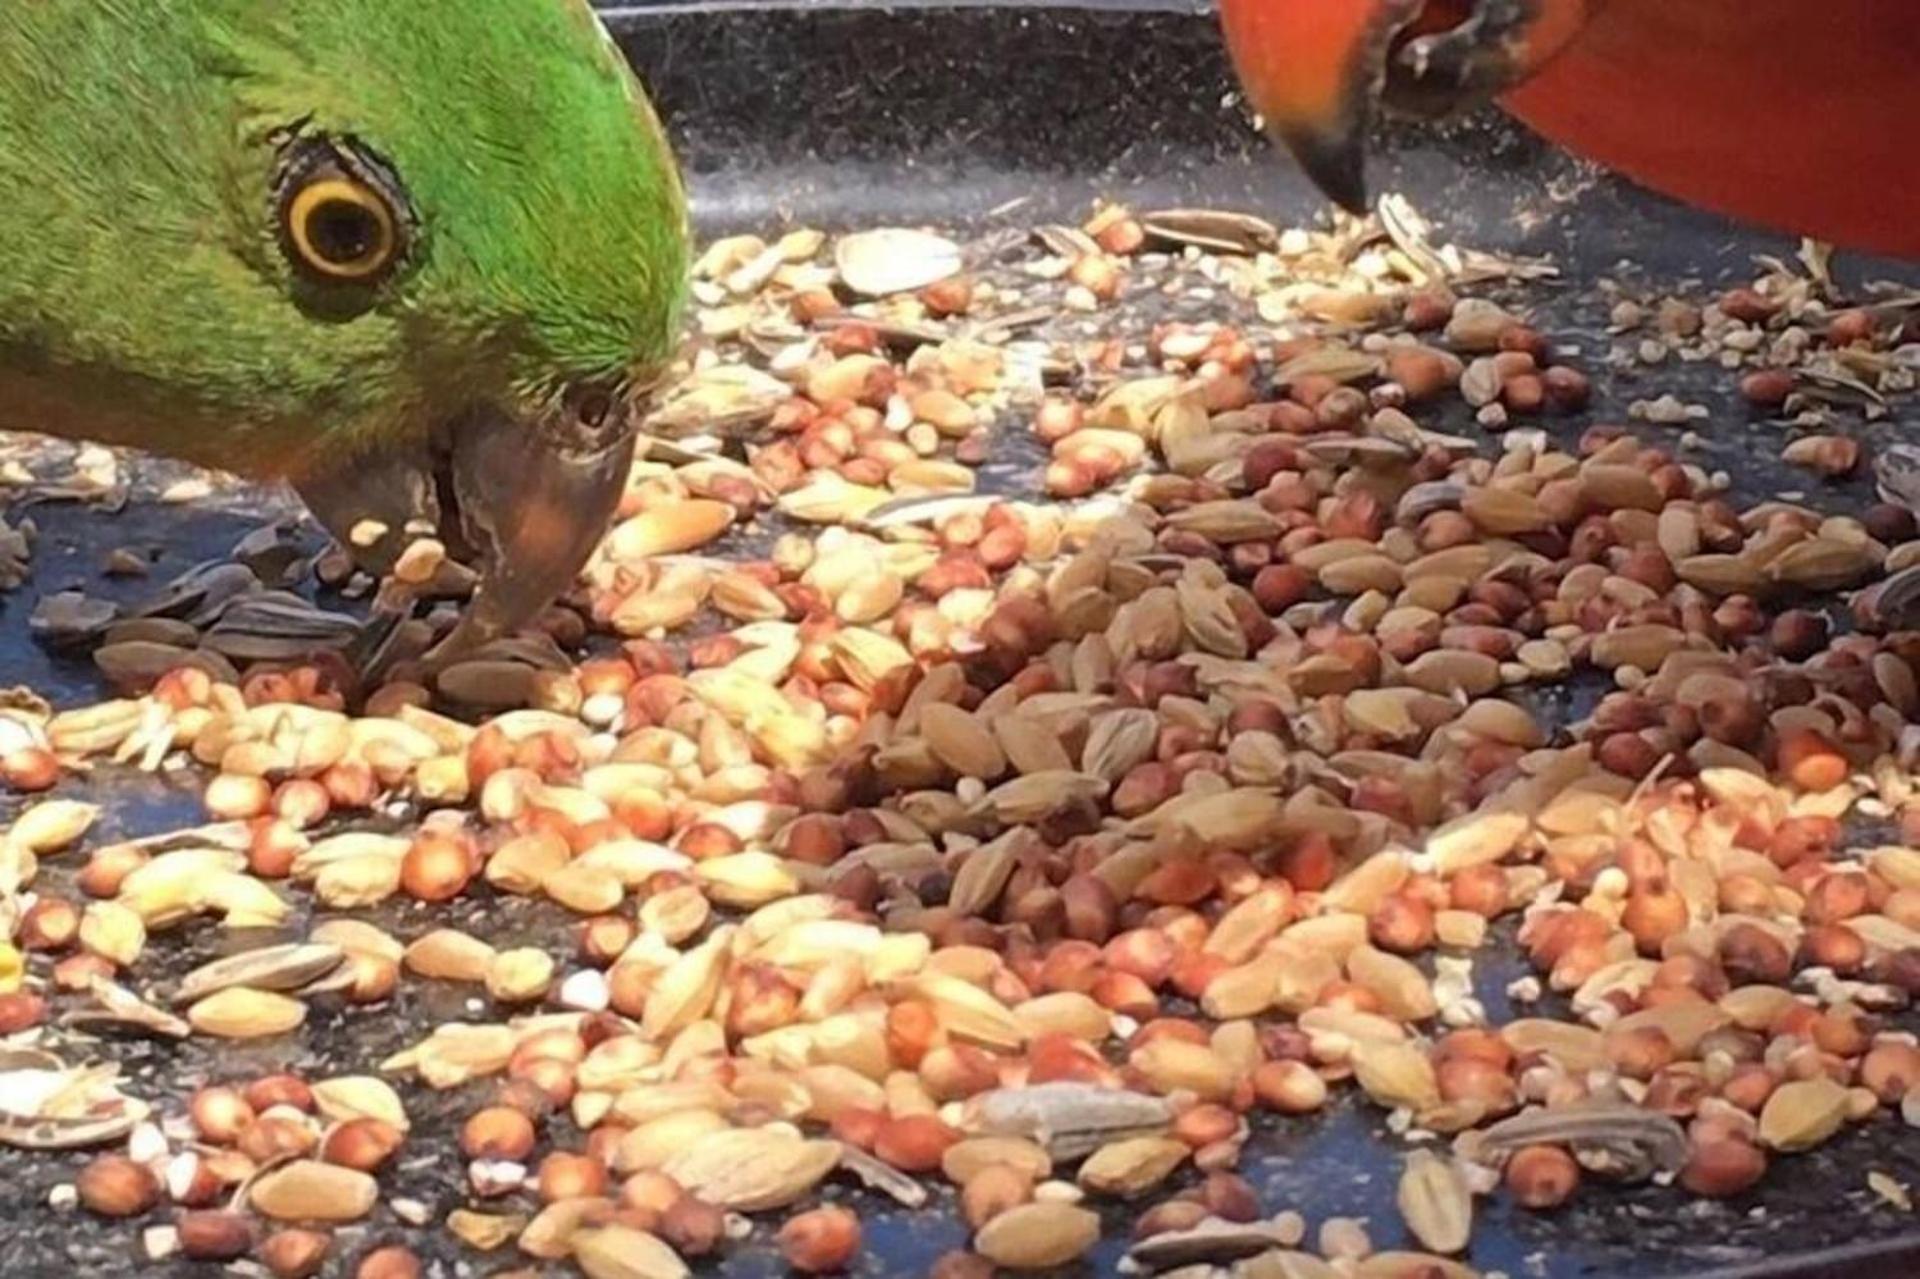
[1294, 57]
[1797, 114]
[1794, 114]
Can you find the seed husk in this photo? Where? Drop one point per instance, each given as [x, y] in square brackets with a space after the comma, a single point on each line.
[485, 1231]
[969, 1013]
[1803, 1113]
[279, 968]
[1068, 1120]
[961, 742]
[351, 1097]
[968, 1157]
[113, 932]
[670, 530]
[1478, 838]
[894, 260]
[1435, 1202]
[753, 1169]
[981, 879]
[241, 1013]
[308, 1190]
[685, 992]
[1637, 1142]
[1393, 1265]
[1396, 1074]
[1132, 1167]
[1037, 1236]
[1215, 1242]
[622, 1252]
[446, 954]
[52, 825]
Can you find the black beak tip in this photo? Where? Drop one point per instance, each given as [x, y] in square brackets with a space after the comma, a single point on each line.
[1353, 199]
[1337, 163]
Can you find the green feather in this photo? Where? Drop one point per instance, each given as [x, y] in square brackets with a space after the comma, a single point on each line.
[145, 298]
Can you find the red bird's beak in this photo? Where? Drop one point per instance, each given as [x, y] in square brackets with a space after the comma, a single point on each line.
[1316, 70]
[1313, 69]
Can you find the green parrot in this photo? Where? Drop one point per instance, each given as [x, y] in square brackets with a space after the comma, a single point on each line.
[420, 258]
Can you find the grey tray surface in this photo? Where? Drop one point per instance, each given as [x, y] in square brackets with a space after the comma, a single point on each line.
[981, 117]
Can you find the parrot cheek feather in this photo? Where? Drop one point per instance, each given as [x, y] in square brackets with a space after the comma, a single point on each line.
[372, 502]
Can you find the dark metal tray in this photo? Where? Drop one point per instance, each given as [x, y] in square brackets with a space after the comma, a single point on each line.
[981, 117]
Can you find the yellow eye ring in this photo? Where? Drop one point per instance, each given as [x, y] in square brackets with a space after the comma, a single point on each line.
[342, 229]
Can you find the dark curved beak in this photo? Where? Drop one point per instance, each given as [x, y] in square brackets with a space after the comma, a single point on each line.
[1319, 70]
[1313, 69]
[523, 502]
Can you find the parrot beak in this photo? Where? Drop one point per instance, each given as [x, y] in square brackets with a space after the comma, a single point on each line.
[1318, 70]
[522, 501]
[1314, 69]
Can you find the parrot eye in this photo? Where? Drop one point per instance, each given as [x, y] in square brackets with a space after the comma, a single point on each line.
[590, 405]
[593, 412]
[342, 230]
[339, 221]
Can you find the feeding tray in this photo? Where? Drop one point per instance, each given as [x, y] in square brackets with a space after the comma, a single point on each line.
[986, 120]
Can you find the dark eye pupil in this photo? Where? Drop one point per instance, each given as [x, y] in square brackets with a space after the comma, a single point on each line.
[343, 233]
[592, 406]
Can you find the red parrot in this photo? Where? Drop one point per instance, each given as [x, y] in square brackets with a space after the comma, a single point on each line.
[1797, 115]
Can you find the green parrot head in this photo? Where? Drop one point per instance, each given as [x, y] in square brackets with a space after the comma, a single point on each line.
[474, 213]
[421, 259]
